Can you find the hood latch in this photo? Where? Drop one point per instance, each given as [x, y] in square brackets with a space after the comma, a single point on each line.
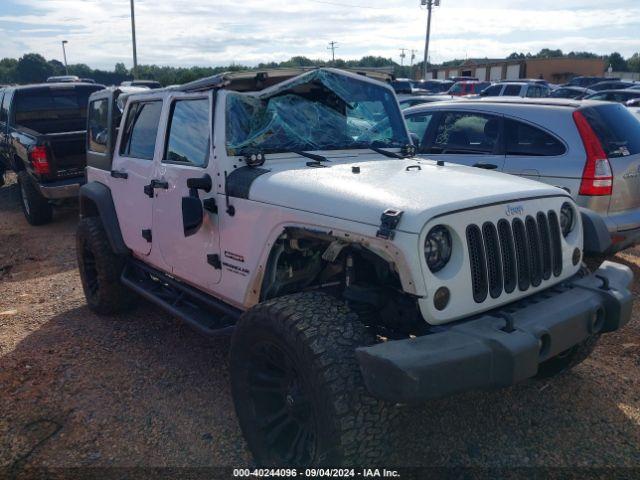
[389, 221]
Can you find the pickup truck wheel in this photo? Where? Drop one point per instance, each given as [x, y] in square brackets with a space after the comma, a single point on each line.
[297, 387]
[36, 208]
[568, 359]
[100, 270]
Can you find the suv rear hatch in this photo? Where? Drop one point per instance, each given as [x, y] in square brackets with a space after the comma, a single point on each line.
[618, 135]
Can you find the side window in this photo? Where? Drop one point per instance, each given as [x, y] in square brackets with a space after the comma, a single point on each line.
[525, 140]
[418, 124]
[532, 92]
[466, 132]
[493, 91]
[98, 125]
[141, 130]
[512, 90]
[2, 117]
[4, 112]
[188, 134]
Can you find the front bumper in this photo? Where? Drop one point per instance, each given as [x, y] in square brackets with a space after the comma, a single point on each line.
[481, 353]
[60, 189]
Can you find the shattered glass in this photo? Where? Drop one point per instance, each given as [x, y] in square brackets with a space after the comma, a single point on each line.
[320, 110]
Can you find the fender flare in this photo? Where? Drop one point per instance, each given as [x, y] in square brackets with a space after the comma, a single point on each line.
[96, 201]
[597, 239]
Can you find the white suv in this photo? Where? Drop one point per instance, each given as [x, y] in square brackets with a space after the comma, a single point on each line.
[353, 275]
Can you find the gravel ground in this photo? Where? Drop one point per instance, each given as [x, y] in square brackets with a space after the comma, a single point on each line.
[142, 389]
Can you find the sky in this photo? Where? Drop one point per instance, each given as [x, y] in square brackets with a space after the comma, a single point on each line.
[213, 32]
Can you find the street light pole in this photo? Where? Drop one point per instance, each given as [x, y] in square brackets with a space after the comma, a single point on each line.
[133, 36]
[429, 4]
[64, 54]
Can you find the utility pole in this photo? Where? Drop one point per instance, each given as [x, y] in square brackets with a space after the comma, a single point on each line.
[413, 57]
[133, 36]
[402, 56]
[64, 54]
[332, 47]
[429, 4]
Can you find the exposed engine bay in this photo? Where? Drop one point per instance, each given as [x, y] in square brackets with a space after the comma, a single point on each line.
[303, 260]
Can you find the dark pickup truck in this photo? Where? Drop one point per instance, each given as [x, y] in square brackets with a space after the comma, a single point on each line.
[42, 139]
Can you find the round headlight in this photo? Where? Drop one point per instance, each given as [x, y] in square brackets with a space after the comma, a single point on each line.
[567, 219]
[437, 248]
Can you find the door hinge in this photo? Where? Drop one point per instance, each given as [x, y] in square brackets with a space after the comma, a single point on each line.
[214, 261]
[388, 223]
[210, 205]
[146, 234]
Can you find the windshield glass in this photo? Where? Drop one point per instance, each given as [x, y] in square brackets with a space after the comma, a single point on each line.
[321, 110]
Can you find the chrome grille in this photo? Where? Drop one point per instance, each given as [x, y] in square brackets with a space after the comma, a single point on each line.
[509, 254]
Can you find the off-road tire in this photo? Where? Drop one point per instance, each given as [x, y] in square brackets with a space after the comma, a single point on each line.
[319, 334]
[37, 209]
[100, 270]
[568, 359]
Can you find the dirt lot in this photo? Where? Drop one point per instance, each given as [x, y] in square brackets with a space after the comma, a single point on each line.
[144, 390]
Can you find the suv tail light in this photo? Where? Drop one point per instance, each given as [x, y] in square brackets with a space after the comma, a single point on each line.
[39, 160]
[597, 178]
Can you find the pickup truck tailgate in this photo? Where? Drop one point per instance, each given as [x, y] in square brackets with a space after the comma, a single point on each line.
[68, 157]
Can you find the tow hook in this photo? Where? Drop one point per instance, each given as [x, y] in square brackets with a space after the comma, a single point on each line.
[605, 282]
[509, 327]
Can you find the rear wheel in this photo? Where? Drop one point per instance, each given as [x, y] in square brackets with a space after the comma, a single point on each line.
[100, 270]
[37, 209]
[297, 387]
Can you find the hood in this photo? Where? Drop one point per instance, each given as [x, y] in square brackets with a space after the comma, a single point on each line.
[421, 193]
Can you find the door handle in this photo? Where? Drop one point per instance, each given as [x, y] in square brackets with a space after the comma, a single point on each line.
[486, 166]
[149, 189]
[119, 174]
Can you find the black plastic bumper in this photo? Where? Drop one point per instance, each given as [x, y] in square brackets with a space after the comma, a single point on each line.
[481, 353]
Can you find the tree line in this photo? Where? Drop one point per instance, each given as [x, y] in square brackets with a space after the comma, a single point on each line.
[34, 68]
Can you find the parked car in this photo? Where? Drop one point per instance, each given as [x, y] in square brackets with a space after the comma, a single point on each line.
[433, 87]
[516, 89]
[611, 85]
[352, 277]
[463, 79]
[152, 84]
[620, 96]
[402, 86]
[634, 102]
[577, 93]
[42, 137]
[591, 149]
[407, 101]
[588, 81]
[467, 87]
[63, 79]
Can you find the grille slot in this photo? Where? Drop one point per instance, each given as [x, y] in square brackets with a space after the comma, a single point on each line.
[556, 243]
[545, 241]
[478, 263]
[519, 254]
[494, 262]
[507, 250]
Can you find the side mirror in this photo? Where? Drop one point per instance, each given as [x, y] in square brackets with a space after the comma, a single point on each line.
[415, 140]
[192, 215]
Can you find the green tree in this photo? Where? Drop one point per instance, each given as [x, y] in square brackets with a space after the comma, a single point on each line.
[616, 61]
[547, 53]
[32, 68]
[8, 72]
[633, 63]
[120, 69]
[57, 67]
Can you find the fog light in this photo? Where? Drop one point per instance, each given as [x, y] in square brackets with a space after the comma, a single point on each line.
[577, 256]
[441, 298]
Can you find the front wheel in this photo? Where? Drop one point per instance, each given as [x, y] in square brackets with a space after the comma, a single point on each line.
[297, 387]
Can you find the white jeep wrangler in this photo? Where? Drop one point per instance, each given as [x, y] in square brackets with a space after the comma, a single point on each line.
[289, 211]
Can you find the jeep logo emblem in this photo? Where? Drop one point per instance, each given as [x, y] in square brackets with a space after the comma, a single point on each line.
[514, 210]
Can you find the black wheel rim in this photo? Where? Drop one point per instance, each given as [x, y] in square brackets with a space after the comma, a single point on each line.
[89, 269]
[282, 404]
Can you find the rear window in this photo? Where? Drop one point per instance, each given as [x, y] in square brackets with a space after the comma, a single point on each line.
[616, 127]
[526, 140]
[53, 110]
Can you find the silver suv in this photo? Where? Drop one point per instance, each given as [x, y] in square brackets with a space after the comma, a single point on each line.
[591, 149]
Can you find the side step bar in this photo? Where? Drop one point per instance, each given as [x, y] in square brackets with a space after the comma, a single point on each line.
[202, 312]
